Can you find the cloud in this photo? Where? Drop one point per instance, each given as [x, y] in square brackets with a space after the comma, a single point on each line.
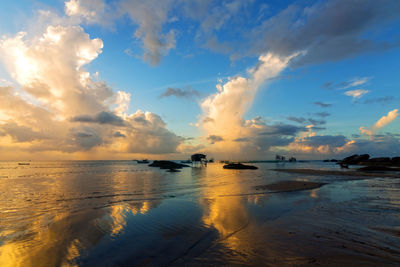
[187, 92]
[150, 16]
[327, 30]
[322, 114]
[85, 138]
[340, 146]
[364, 130]
[228, 105]
[322, 105]
[281, 129]
[20, 133]
[385, 120]
[316, 122]
[321, 140]
[309, 120]
[242, 139]
[318, 144]
[357, 93]
[208, 119]
[321, 29]
[382, 122]
[297, 119]
[382, 100]
[89, 11]
[354, 82]
[214, 138]
[150, 137]
[357, 81]
[118, 134]
[61, 109]
[103, 117]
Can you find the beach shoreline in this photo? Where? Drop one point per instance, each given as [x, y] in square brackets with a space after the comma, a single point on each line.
[339, 173]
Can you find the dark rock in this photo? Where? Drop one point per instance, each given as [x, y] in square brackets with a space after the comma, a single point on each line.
[239, 166]
[381, 159]
[166, 164]
[173, 170]
[355, 159]
[396, 161]
[330, 160]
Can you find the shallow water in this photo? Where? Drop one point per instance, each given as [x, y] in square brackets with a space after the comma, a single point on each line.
[119, 213]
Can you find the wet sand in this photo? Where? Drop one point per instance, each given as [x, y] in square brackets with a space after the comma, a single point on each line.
[339, 173]
[125, 214]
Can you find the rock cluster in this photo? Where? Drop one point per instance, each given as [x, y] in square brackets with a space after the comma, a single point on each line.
[365, 159]
[166, 164]
[239, 166]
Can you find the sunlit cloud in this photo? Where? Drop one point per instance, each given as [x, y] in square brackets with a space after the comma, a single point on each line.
[88, 11]
[357, 93]
[66, 109]
[382, 122]
[223, 112]
[358, 81]
[385, 120]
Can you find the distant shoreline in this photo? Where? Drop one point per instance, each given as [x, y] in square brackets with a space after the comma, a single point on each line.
[341, 173]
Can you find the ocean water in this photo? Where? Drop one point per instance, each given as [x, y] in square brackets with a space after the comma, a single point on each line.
[120, 213]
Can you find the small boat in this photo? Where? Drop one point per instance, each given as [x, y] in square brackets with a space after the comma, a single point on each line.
[24, 163]
[143, 161]
[292, 159]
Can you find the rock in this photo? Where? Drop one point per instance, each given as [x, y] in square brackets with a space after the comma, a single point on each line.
[166, 164]
[396, 160]
[173, 170]
[239, 166]
[330, 160]
[355, 159]
[381, 159]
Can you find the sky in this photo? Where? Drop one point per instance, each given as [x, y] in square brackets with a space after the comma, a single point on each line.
[236, 80]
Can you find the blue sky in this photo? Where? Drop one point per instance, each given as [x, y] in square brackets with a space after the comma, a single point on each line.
[340, 54]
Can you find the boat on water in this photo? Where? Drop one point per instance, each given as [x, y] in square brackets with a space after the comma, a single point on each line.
[145, 161]
[24, 163]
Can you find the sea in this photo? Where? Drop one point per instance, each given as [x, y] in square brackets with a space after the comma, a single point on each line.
[121, 213]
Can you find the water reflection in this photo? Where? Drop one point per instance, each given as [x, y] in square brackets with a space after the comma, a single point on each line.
[54, 216]
[225, 213]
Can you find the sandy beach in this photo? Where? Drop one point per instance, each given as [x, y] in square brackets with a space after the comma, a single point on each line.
[340, 173]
